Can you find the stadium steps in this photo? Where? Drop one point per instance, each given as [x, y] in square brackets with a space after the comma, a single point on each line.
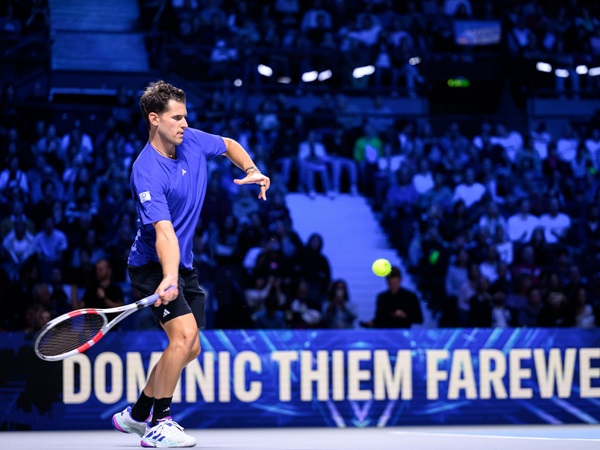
[97, 36]
[352, 240]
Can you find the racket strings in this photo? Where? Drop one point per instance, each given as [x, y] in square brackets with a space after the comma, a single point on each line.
[70, 334]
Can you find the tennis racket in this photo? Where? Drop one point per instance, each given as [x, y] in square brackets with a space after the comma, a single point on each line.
[76, 331]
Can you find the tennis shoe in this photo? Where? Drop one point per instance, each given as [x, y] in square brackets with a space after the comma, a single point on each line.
[167, 434]
[124, 423]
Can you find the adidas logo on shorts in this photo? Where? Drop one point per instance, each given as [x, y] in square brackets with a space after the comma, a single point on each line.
[166, 313]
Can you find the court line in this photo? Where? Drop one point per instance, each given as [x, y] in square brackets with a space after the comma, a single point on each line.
[494, 436]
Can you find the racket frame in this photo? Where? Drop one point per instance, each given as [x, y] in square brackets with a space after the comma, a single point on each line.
[125, 311]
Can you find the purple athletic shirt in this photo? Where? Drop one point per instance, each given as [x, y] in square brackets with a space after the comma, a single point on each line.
[171, 189]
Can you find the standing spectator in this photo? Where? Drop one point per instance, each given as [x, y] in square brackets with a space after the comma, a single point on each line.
[396, 307]
[340, 152]
[480, 304]
[368, 149]
[338, 310]
[313, 159]
[315, 268]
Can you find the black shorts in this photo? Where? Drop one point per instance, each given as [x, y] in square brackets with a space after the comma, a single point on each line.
[191, 298]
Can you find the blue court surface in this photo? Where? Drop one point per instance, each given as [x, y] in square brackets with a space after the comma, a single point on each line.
[546, 437]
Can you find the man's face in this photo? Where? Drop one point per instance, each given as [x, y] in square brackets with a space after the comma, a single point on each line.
[172, 122]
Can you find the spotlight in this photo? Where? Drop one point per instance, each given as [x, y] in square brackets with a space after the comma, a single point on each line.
[309, 77]
[325, 75]
[543, 67]
[561, 73]
[581, 69]
[360, 72]
[594, 71]
[265, 70]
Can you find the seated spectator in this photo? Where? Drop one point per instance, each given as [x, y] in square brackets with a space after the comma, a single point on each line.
[470, 191]
[270, 317]
[567, 144]
[510, 141]
[522, 223]
[583, 310]
[303, 310]
[13, 177]
[592, 145]
[556, 224]
[103, 292]
[50, 246]
[17, 214]
[265, 287]
[501, 316]
[19, 244]
[556, 311]
[338, 310]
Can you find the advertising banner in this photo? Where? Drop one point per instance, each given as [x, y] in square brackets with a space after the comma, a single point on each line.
[313, 378]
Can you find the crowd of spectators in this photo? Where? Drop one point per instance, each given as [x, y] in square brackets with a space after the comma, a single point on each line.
[508, 216]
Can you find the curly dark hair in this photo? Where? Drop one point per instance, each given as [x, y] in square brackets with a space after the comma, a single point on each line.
[156, 98]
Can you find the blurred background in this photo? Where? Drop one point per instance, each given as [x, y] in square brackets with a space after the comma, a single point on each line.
[458, 139]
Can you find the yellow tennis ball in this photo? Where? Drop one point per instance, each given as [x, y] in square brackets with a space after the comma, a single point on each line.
[381, 267]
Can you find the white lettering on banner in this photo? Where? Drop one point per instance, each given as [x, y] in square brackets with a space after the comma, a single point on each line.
[491, 378]
[82, 362]
[517, 373]
[356, 375]
[434, 373]
[462, 376]
[136, 375]
[388, 383]
[319, 375]
[285, 358]
[587, 372]
[103, 363]
[239, 369]
[338, 376]
[201, 377]
[554, 371]
[224, 377]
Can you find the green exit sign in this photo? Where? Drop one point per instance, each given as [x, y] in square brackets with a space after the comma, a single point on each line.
[458, 83]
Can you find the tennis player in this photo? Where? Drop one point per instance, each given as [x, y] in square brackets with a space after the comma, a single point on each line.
[168, 182]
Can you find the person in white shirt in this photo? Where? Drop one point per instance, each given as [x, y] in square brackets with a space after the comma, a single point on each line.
[540, 139]
[423, 179]
[470, 191]
[510, 141]
[556, 224]
[522, 224]
[592, 145]
[567, 143]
